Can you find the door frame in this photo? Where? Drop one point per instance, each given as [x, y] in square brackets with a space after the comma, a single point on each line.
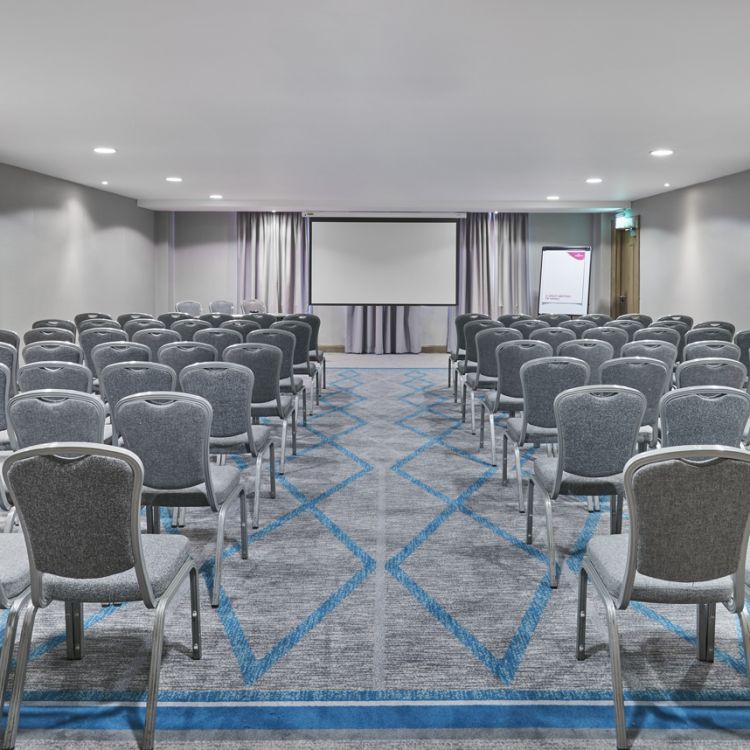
[634, 302]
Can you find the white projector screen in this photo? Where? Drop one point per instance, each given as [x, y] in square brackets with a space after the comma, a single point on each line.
[564, 281]
[383, 262]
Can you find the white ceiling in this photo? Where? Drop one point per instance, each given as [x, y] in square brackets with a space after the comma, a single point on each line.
[379, 105]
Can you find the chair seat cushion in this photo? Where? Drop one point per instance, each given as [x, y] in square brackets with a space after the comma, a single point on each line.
[609, 555]
[163, 556]
[225, 481]
[505, 403]
[463, 367]
[289, 385]
[475, 380]
[262, 436]
[458, 356]
[271, 408]
[317, 356]
[14, 565]
[305, 369]
[534, 434]
[545, 473]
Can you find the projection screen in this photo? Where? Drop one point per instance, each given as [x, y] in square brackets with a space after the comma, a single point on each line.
[383, 262]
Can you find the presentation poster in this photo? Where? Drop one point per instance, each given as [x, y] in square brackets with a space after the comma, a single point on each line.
[564, 281]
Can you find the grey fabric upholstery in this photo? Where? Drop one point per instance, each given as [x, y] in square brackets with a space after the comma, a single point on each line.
[600, 319]
[189, 307]
[509, 319]
[253, 306]
[486, 343]
[545, 475]
[313, 321]
[644, 320]
[302, 333]
[223, 306]
[470, 330]
[5, 381]
[659, 333]
[48, 334]
[685, 320]
[553, 336]
[742, 339]
[188, 326]
[127, 317]
[14, 566]
[243, 327]
[114, 351]
[278, 407]
[124, 379]
[215, 319]
[226, 481]
[629, 326]
[53, 352]
[579, 326]
[265, 362]
[283, 340]
[81, 317]
[68, 325]
[661, 350]
[459, 322]
[615, 337]
[9, 358]
[184, 353]
[702, 349]
[141, 324]
[527, 326]
[711, 371]
[265, 320]
[171, 317]
[10, 337]
[594, 353]
[542, 380]
[91, 338]
[707, 334]
[219, 338]
[155, 338]
[553, 319]
[69, 376]
[91, 323]
[717, 324]
[510, 357]
[704, 415]
[514, 428]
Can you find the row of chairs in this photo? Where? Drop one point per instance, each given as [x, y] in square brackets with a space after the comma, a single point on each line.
[194, 308]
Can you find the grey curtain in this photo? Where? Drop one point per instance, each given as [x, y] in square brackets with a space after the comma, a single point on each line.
[392, 329]
[273, 260]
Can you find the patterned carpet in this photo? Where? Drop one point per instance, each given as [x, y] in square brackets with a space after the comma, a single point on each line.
[389, 592]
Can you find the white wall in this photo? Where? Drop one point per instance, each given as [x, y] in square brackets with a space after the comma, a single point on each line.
[66, 248]
[694, 251]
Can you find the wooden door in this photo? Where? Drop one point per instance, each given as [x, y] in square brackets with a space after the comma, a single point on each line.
[626, 293]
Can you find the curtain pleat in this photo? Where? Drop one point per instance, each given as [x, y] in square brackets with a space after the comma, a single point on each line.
[381, 329]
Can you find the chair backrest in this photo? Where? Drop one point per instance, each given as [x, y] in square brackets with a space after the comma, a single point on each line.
[189, 307]
[117, 351]
[313, 321]
[742, 339]
[170, 317]
[187, 327]
[5, 385]
[302, 333]
[215, 319]
[597, 429]
[61, 375]
[649, 376]
[78, 319]
[684, 319]
[265, 362]
[155, 338]
[689, 516]
[527, 326]
[141, 324]
[94, 336]
[661, 350]
[471, 329]
[542, 380]
[48, 334]
[253, 306]
[704, 415]
[89, 323]
[73, 528]
[460, 321]
[169, 432]
[68, 325]
[219, 338]
[553, 336]
[677, 324]
[711, 371]
[644, 320]
[243, 327]
[54, 351]
[593, 352]
[228, 387]
[701, 349]
[55, 416]
[221, 306]
[659, 333]
[10, 337]
[599, 318]
[284, 340]
[707, 334]
[629, 326]
[265, 320]
[183, 353]
[127, 317]
[510, 357]
[486, 342]
[9, 358]
[615, 337]
[579, 326]
[123, 379]
[553, 319]
[510, 318]
[726, 325]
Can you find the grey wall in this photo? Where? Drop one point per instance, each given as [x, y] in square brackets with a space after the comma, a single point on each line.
[66, 248]
[694, 245]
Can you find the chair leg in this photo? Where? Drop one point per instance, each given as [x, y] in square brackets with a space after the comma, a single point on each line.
[455, 385]
[195, 615]
[463, 402]
[282, 460]
[325, 382]
[450, 362]
[181, 516]
[219, 554]
[22, 660]
[595, 500]
[530, 512]
[243, 524]
[294, 432]
[583, 579]
[74, 630]
[706, 630]
[482, 410]
[493, 443]
[6, 654]
[620, 500]
[256, 498]
[304, 406]
[553, 578]
[473, 415]
[505, 460]
[272, 467]
[519, 476]
[745, 626]
[317, 387]
[10, 521]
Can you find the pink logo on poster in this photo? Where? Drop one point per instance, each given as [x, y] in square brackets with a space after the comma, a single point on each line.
[577, 254]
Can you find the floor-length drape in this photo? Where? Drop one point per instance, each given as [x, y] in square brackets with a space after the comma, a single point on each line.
[381, 329]
[273, 260]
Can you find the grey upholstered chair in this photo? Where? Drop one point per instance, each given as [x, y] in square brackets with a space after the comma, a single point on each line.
[79, 507]
[707, 334]
[48, 334]
[301, 364]
[5, 381]
[265, 320]
[189, 307]
[127, 317]
[717, 324]
[55, 416]
[172, 317]
[554, 336]
[508, 393]
[122, 379]
[615, 337]
[644, 320]
[659, 333]
[629, 326]
[704, 415]
[68, 325]
[81, 317]
[9, 358]
[141, 324]
[215, 319]
[579, 326]
[53, 351]
[485, 377]
[68, 376]
[711, 371]
[649, 376]
[188, 326]
[683, 319]
[661, 350]
[170, 432]
[89, 323]
[676, 324]
[459, 355]
[155, 338]
[597, 427]
[689, 521]
[527, 325]
[118, 351]
[510, 318]
[469, 363]
[228, 387]
[600, 319]
[701, 349]
[317, 357]
[594, 353]
[243, 327]
[10, 337]
[221, 306]
[95, 336]
[268, 401]
[253, 306]
[742, 339]
[184, 353]
[542, 380]
[219, 338]
[553, 320]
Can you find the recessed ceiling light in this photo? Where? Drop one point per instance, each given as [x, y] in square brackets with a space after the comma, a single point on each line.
[553, 197]
[666, 184]
[662, 152]
[593, 180]
[174, 179]
[105, 182]
[216, 197]
[105, 150]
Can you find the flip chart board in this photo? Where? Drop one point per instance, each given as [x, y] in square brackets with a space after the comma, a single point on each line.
[564, 280]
